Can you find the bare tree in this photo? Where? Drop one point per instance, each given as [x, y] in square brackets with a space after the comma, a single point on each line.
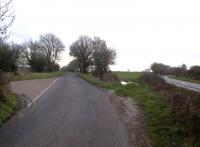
[6, 18]
[52, 46]
[103, 58]
[84, 51]
[35, 56]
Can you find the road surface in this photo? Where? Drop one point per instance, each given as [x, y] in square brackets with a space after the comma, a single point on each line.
[71, 113]
[183, 84]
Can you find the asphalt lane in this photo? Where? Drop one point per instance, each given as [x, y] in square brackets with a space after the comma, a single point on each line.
[183, 84]
[71, 113]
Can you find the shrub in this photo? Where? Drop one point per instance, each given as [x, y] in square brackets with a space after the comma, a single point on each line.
[4, 86]
[154, 80]
[55, 67]
[110, 77]
[185, 106]
[194, 72]
[73, 66]
[160, 68]
[64, 69]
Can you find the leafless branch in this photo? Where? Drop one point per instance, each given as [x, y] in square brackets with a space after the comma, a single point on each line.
[6, 18]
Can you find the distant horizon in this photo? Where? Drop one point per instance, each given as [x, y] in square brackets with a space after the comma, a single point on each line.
[142, 32]
[128, 70]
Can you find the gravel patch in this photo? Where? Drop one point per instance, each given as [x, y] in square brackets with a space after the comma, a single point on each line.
[30, 88]
[129, 112]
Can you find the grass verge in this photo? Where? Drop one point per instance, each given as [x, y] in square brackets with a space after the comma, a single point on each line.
[91, 79]
[158, 115]
[8, 108]
[31, 76]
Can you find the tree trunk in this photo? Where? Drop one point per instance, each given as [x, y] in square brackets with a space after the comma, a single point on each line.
[81, 67]
[101, 75]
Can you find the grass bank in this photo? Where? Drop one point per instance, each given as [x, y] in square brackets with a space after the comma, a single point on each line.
[158, 115]
[31, 76]
[185, 79]
[8, 108]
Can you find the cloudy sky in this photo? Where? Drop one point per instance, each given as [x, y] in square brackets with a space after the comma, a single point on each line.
[142, 31]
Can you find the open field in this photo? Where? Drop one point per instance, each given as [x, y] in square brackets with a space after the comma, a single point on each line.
[128, 76]
[185, 79]
[158, 115]
[31, 76]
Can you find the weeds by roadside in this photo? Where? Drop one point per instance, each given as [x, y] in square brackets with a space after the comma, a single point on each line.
[8, 101]
[8, 108]
[185, 110]
[4, 87]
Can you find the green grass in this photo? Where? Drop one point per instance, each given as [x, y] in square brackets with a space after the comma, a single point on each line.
[91, 79]
[185, 79]
[128, 76]
[8, 108]
[31, 76]
[161, 130]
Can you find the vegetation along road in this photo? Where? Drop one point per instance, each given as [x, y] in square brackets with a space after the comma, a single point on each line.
[70, 113]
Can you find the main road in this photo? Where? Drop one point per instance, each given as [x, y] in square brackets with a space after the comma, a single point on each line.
[183, 84]
[71, 113]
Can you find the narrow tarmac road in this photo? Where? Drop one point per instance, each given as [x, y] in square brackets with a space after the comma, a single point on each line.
[71, 113]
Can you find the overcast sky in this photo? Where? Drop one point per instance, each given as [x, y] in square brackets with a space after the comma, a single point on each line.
[141, 31]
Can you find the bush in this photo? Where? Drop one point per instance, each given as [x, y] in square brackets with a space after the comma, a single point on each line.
[55, 67]
[110, 77]
[194, 72]
[154, 80]
[7, 58]
[51, 67]
[73, 66]
[64, 69]
[37, 63]
[185, 106]
[4, 86]
[160, 68]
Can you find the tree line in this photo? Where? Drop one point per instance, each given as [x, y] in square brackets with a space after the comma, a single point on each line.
[41, 55]
[193, 72]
